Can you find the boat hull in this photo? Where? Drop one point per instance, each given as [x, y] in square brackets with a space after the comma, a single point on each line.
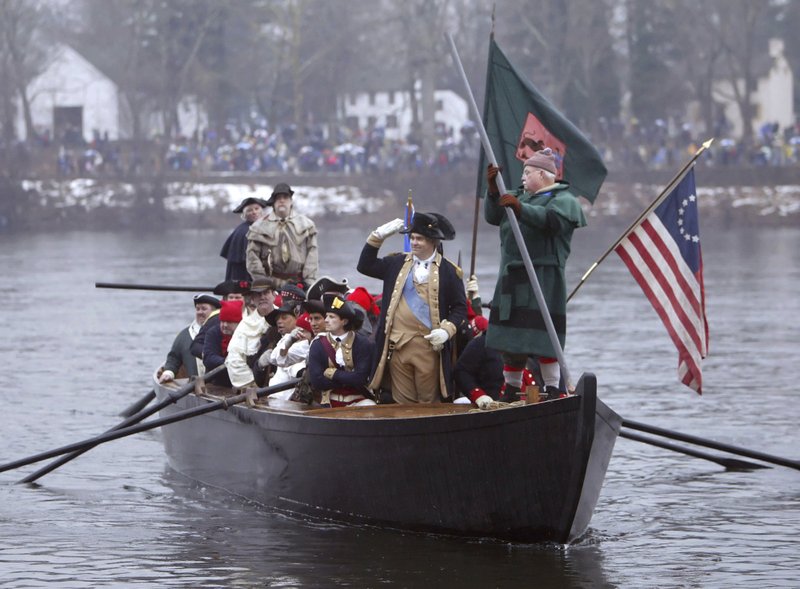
[527, 474]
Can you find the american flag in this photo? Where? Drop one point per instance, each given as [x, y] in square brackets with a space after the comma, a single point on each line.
[663, 254]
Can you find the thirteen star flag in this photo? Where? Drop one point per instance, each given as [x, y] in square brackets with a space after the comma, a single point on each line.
[663, 254]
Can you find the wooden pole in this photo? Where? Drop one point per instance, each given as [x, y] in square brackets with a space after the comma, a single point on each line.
[512, 219]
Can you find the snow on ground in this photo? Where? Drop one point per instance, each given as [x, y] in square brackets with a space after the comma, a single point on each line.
[313, 201]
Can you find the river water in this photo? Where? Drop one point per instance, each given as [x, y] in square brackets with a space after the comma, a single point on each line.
[73, 356]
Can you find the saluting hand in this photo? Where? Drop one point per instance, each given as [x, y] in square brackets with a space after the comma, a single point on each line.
[388, 229]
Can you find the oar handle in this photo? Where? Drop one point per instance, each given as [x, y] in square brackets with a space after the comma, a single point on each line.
[728, 463]
[135, 429]
[658, 431]
[153, 287]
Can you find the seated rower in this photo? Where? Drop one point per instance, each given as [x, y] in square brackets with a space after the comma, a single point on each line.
[248, 337]
[291, 352]
[215, 347]
[180, 360]
[339, 361]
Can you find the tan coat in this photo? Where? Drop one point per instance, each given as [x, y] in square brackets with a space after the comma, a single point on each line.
[391, 313]
[285, 249]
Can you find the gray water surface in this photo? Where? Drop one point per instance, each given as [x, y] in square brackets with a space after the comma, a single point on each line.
[73, 356]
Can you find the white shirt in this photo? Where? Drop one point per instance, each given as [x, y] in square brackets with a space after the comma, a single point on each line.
[422, 268]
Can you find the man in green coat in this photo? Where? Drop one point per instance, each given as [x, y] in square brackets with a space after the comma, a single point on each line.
[548, 213]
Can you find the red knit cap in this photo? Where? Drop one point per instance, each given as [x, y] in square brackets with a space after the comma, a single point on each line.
[362, 298]
[231, 311]
[544, 160]
[302, 321]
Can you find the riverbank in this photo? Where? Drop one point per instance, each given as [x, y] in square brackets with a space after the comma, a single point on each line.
[90, 203]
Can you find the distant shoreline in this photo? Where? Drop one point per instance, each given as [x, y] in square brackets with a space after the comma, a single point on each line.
[104, 204]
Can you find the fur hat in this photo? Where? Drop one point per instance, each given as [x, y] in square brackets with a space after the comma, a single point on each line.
[250, 200]
[231, 311]
[292, 292]
[544, 160]
[432, 226]
[280, 188]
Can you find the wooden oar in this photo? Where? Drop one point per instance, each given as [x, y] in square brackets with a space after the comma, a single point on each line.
[728, 463]
[153, 287]
[138, 405]
[132, 419]
[769, 458]
[135, 429]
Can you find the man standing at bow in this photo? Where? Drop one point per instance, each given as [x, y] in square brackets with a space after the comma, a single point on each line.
[548, 214]
[423, 302]
[283, 244]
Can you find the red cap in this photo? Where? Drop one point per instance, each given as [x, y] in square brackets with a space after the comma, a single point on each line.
[302, 321]
[231, 311]
[362, 298]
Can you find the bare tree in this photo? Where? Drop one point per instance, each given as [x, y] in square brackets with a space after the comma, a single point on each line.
[22, 57]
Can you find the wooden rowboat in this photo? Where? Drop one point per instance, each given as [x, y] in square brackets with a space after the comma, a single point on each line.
[528, 474]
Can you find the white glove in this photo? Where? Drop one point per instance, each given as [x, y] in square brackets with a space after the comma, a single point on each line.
[472, 286]
[297, 334]
[166, 376]
[263, 360]
[388, 229]
[484, 401]
[437, 337]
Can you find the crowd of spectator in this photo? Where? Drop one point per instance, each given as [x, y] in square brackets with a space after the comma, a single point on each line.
[661, 144]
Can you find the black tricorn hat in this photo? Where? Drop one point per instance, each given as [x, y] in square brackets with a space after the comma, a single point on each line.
[326, 284]
[431, 225]
[206, 298]
[280, 188]
[231, 286]
[250, 200]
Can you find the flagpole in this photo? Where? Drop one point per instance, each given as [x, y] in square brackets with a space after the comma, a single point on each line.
[474, 234]
[669, 188]
[512, 219]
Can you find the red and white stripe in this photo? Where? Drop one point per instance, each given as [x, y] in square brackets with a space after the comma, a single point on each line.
[676, 293]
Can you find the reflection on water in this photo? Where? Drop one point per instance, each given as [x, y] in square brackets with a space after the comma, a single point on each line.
[75, 355]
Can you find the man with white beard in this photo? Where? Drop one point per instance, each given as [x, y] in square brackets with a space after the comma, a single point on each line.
[282, 245]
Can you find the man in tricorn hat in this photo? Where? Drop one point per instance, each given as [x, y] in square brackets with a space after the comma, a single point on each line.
[423, 302]
[283, 244]
[548, 214]
[235, 247]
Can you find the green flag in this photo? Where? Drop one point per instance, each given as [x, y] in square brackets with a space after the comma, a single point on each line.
[519, 121]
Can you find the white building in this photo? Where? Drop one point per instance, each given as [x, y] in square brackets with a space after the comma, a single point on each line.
[392, 111]
[73, 93]
[773, 97]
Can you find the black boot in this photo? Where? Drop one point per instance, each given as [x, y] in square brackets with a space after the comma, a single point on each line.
[510, 394]
[552, 393]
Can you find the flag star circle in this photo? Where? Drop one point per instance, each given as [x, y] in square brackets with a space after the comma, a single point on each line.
[681, 210]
